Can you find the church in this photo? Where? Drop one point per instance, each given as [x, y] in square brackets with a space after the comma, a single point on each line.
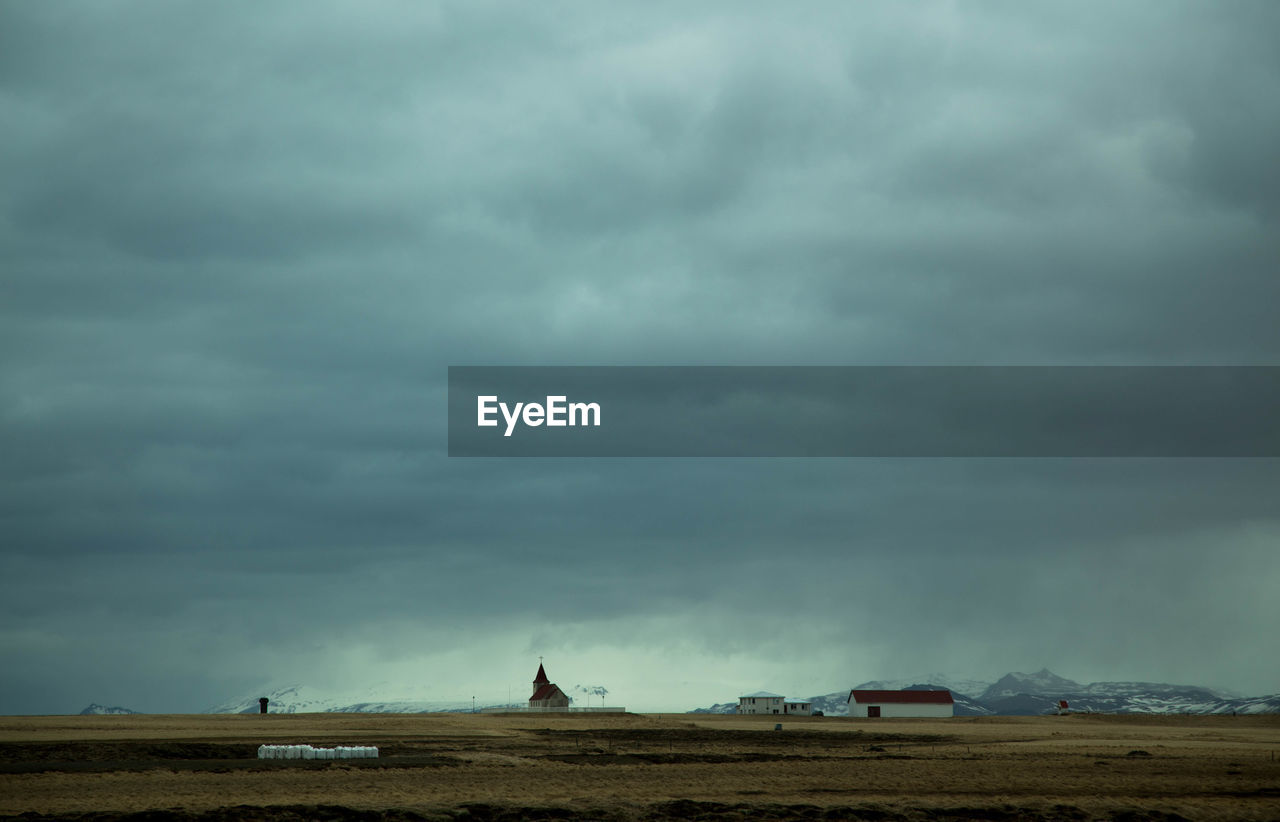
[546, 694]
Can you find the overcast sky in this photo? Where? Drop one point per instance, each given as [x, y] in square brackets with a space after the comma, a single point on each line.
[241, 243]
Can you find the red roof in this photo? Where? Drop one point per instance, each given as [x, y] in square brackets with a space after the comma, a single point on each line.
[902, 697]
[541, 678]
[545, 692]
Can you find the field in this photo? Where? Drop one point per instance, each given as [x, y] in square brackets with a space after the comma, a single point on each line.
[642, 767]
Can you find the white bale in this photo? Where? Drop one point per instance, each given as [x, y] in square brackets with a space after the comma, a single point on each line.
[308, 752]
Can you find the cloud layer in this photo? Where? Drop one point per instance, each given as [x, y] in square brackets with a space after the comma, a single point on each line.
[239, 246]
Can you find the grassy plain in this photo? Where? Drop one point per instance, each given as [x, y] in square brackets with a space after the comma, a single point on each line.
[633, 767]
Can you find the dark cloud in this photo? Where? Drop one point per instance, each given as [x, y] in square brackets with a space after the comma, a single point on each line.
[240, 246]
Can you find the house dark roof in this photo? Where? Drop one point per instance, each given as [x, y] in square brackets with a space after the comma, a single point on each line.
[541, 678]
[547, 691]
[901, 697]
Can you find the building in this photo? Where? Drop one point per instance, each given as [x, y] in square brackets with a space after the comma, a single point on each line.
[874, 704]
[546, 694]
[761, 702]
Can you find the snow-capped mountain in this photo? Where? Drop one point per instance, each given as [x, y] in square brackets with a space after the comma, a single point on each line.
[102, 710]
[1043, 681]
[306, 699]
[1135, 698]
[1019, 694]
[968, 687]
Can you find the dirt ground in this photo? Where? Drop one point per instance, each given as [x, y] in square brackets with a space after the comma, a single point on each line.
[642, 767]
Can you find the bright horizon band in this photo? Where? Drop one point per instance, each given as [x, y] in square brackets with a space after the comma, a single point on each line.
[864, 411]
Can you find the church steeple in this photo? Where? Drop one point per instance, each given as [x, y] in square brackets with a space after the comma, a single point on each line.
[541, 678]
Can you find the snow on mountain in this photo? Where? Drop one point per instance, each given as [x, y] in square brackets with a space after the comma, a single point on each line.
[1247, 705]
[1019, 694]
[720, 708]
[102, 710]
[1043, 681]
[968, 687]
[307, 699]
[963, 705]
[834, 704]
[1120, 689]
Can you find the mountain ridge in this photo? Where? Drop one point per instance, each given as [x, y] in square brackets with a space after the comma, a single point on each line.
[95, 709]
[1019, 694]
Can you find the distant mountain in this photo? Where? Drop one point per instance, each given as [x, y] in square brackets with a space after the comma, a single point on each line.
[1019, 694]
[1159, 698]
[1043, 681]
[102, 710]
[964, 705]
[969, 687]
[378, 699]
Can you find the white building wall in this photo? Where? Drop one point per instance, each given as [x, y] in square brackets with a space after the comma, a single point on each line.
[760, 705]
[799, 708]
[889, 710]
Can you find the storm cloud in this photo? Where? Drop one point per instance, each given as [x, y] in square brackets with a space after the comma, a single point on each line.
[240, 244]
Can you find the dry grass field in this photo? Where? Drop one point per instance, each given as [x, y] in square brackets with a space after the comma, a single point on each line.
[642, 767]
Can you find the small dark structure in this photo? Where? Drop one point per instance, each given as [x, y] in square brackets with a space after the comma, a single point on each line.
[262, 704]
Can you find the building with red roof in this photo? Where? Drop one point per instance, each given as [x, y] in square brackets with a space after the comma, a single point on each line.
[546, 694]
[874, 704]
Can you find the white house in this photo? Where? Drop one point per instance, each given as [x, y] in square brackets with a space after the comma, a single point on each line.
[761, 702]
[900, 703]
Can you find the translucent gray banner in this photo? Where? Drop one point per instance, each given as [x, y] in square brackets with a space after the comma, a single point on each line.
[864, 411]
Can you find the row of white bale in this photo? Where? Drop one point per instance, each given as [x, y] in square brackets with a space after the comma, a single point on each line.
[308, 752]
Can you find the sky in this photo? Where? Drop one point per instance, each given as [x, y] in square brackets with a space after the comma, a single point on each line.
[241, 243]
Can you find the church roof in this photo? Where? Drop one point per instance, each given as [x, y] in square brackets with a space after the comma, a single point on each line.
[547, 691]
[541, 678]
